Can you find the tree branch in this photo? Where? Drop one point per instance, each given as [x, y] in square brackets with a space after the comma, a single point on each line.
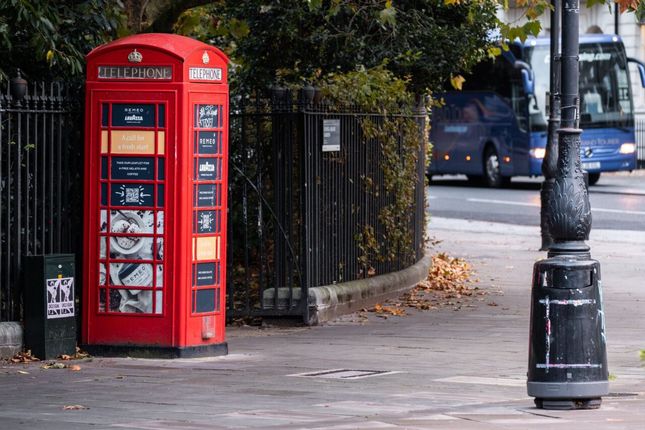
[168, 15]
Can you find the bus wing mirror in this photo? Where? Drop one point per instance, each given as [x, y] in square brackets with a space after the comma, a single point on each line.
[528, 82]
[641, 69]
[528, 78]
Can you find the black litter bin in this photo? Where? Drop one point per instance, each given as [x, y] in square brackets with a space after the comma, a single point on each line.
[567, 346]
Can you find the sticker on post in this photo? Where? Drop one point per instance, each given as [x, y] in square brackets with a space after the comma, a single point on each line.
[60, 297]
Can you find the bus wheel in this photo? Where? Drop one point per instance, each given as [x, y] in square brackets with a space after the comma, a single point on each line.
[593, 178]
[492, 170]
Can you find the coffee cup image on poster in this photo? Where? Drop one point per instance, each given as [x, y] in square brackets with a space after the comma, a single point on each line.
[131, 300]
[127, 241]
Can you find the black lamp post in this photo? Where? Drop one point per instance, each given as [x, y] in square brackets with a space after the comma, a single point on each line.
[549, 163]
[567, 349]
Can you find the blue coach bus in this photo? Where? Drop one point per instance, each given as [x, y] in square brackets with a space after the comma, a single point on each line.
[496, 127]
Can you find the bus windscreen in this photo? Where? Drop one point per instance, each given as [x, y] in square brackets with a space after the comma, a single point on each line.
[605, 94]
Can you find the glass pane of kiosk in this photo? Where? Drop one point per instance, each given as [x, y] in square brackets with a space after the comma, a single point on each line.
[207, 207]
[132, 208]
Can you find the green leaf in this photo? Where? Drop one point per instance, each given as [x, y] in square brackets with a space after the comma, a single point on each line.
[314, 4]
[47, 23]
[388, 16]
[494, 51]
[238, 29]
[592, 3]
[531, 28]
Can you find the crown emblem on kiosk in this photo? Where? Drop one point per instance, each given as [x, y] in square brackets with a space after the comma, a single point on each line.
[135, 57]
[205, 58]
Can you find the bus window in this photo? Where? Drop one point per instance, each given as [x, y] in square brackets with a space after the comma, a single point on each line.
[520, 108]
[605, 95]
[604, 86]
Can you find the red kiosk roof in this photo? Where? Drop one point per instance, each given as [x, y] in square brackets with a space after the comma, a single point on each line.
[178, 46]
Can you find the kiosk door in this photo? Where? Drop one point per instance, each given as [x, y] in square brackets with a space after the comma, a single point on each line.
[209, 151]
[131, 155]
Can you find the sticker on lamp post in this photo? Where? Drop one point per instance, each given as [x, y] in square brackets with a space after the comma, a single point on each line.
[331, 135]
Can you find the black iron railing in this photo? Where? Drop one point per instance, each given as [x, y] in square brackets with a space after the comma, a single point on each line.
[40, 183]
[295, 210]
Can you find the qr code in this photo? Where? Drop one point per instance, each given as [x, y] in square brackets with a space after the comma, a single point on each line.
[206, 221]
[132, 195]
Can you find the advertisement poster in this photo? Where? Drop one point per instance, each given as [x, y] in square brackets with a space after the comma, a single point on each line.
[208, 142]
[133, 168]
[128, 115]
[206, 195]
[207, 116]
[208, 169]
[206, 222]
[127, 194]
[205, 274]
[127, 242]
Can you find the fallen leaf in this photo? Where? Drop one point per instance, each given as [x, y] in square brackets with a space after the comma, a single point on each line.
[391, 310]
[80, 354]
[74, 407]
[53, 365]
[23, 357]
[22, 372]
[74, 367]
[65, 357]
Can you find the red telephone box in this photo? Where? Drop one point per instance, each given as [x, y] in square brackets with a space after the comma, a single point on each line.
[155, 197]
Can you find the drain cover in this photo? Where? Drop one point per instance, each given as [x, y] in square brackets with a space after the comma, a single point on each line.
[345, 373]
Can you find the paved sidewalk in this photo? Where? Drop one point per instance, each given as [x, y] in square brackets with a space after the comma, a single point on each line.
[449, 369]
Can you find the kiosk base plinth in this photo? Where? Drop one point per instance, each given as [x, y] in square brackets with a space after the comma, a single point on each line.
[157, 351]
[568, 404]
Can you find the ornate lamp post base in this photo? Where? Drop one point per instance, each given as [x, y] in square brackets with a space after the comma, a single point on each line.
[567, 346]
[545, 192]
